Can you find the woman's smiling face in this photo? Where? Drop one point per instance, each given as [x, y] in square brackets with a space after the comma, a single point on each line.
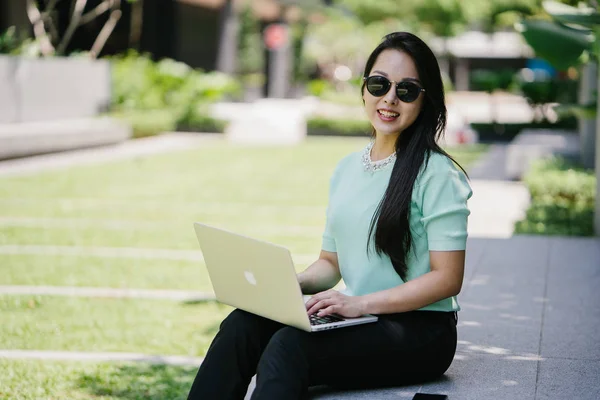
[388, 114]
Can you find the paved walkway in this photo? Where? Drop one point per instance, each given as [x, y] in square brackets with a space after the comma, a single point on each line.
[96, 155]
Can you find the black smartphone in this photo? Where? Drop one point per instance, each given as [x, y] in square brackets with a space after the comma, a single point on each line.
[428, 396]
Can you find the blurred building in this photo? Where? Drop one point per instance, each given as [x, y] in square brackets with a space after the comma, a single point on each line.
[475, 50]
[201, 33]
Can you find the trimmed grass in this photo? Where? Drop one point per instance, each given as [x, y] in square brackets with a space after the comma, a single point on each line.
[182, 238]
[122, 325]
[216, 172]
[103, 272]
[149, 213]
[34, 380]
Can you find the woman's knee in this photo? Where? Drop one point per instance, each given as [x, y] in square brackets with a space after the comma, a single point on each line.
[286, 359]
[287, 343]
[239, 321]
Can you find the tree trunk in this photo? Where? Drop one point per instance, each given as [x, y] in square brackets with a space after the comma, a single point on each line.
[137, 19]
[597, 206]
[228, 39]
[587, 127]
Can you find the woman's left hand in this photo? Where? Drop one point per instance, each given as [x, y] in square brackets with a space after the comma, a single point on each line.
[334, 302]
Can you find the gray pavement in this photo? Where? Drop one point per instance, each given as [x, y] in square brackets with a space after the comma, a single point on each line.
[102, 154]
[491, 167]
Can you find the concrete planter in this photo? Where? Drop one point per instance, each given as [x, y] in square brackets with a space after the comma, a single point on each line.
[52, 89]
[49, 105]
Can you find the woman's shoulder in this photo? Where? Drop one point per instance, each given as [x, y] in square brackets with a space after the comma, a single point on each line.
[348, 160]
[438, 164]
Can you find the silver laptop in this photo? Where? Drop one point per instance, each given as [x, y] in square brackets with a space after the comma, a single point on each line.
[259, 277]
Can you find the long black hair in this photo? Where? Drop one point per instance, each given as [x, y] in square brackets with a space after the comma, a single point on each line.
[390, 223]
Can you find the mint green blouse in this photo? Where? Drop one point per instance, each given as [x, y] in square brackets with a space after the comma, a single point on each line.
[438, 221]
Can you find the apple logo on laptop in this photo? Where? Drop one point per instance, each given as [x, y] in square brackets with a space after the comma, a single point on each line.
[250, 277]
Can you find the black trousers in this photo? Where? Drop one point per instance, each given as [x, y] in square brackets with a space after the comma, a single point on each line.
[398, 349]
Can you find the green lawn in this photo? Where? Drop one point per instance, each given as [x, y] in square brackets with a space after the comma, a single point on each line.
[272, 193]
[103, 272]
[35, 380]
[121, 325]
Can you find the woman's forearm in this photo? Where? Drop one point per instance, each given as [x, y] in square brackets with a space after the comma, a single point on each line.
[319, 276]
[412, 295]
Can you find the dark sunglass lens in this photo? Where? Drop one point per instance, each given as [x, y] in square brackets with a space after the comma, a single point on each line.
[378, 85]
[408, 91]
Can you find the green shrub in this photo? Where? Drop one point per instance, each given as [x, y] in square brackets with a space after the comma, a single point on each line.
[9, 43]
[491, 80]
[317, 87]
[562, 199]
[338, 127]
[505, 132]
[148, 122]
[139, 83]
[347, 93]
[199, 122]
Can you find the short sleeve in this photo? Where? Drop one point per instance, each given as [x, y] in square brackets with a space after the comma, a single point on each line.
[328, 242]
[444, 209]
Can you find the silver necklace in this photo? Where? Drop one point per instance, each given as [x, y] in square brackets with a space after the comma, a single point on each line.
[373, 166]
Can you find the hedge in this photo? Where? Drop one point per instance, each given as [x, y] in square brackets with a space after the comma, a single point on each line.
[338, 127]
[505, 132]
[562, 199]
[153, 122]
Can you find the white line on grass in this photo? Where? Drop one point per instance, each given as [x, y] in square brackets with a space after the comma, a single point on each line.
[111, 203]
[122, 252]
[108, 356]
[109, 252]
[73, 291]
[66, 223]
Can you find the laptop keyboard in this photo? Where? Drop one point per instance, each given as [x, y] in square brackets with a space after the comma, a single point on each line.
[316, 320]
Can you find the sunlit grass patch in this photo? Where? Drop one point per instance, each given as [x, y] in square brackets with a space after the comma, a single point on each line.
[35, 380]
[115, 325]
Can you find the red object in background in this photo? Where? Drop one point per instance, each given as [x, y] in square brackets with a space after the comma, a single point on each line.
[275, 36]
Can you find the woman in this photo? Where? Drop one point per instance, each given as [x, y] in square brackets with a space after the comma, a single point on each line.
[396, 233]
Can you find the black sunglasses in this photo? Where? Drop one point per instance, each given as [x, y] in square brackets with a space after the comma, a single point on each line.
[406, 91]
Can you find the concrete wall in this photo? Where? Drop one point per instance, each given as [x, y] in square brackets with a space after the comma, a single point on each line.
[51, 105]
[52, 89]
[8, 90]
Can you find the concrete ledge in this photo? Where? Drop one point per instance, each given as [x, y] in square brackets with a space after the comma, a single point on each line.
[32, 138]
[533, 144]
[266, 121]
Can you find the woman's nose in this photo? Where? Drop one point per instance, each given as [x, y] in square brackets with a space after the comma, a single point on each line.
[390, 97]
